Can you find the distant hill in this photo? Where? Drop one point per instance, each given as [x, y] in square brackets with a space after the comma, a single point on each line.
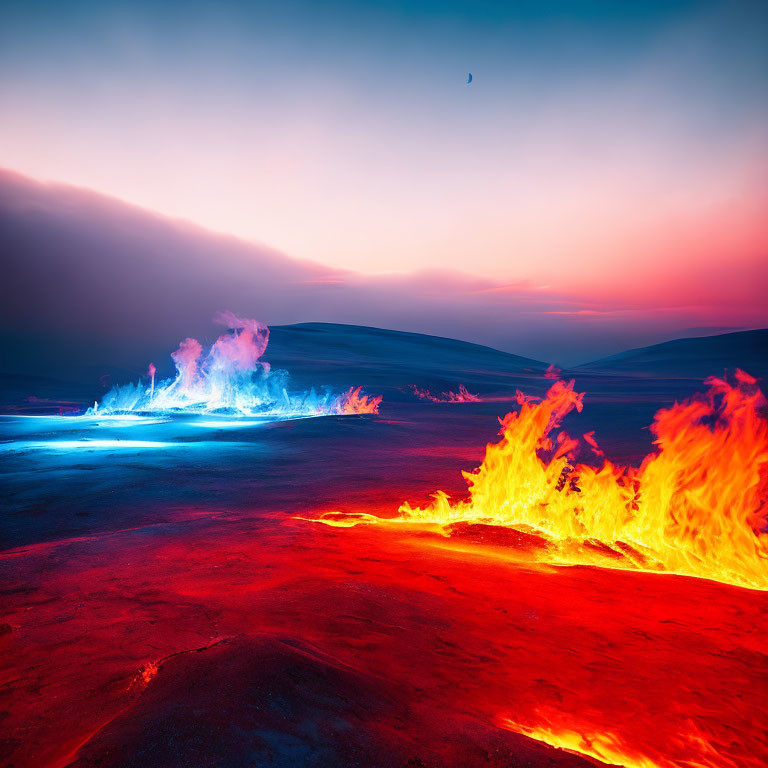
[345, 343]
[385, 359]
[694, 358]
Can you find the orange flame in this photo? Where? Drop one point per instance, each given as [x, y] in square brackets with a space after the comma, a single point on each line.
[697, 506]
[352, 402]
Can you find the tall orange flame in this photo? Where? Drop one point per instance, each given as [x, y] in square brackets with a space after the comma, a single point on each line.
[352, 402]
[462, 396]
[696, 506]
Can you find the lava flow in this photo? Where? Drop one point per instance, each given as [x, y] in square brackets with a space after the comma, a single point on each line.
[214, 639]
[696, 506]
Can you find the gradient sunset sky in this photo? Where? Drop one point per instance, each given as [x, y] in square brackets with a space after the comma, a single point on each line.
[617, 151]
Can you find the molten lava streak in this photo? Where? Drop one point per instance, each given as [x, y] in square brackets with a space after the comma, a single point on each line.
[696, 506]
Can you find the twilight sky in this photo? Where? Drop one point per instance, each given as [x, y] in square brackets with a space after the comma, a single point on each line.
[615, 151]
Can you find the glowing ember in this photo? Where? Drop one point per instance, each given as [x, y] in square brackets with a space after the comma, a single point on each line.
[696, 506]
[147, 672]
[230, 379]
[462, 396]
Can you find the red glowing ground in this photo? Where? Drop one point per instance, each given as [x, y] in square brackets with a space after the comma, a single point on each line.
[372, 647]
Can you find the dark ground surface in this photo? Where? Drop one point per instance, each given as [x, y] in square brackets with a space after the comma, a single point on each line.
[163, 608]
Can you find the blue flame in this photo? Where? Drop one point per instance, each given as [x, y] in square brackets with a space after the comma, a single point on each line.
[229, 380]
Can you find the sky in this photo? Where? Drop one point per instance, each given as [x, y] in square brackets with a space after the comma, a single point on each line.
[613, 151]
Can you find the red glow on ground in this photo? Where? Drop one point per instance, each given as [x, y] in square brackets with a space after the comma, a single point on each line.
[458, 637]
